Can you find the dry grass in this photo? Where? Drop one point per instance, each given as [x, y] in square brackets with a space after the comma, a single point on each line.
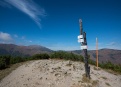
[113, 72]
[93, 83]
[95, 68]
[104, 78]
[85, 79]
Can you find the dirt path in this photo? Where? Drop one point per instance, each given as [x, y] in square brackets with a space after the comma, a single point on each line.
[58, 73]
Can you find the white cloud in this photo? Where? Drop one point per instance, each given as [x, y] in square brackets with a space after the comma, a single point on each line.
[111, 44]
[5, 37]
[28, 7]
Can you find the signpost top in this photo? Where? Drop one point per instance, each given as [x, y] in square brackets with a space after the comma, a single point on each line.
[80, 20]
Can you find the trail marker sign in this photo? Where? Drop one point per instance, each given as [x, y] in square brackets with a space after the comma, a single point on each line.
[82, 40]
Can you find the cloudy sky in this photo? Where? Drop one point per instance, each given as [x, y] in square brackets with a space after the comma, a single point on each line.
[55, 23]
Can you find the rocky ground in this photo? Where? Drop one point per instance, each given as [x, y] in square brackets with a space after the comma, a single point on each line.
[58, 73]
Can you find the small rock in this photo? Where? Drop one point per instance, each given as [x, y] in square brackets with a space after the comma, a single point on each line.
[28, 79]
[41, 78]
[57, 74]
[69, 69]
[65, 73]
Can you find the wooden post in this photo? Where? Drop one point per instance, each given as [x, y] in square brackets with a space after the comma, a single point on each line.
[97, 53]
[87, 67]
[83, 41]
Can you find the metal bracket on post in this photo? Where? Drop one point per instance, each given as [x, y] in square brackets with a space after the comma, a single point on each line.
[83, 41]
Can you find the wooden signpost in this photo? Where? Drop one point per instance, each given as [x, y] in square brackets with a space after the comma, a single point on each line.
[97, 53]
[83, 41]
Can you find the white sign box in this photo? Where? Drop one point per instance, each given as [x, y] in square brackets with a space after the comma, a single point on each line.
[80, 40]
[80, 36]
[84, 47]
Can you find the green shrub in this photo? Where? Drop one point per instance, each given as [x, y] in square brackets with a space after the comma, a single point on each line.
[66, 56]
[2, 63]
[40, 56]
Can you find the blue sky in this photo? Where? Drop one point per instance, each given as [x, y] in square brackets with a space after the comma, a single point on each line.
[55, 23]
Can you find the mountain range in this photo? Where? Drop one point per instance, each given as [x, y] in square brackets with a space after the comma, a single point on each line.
[15, 50]
[104, 54]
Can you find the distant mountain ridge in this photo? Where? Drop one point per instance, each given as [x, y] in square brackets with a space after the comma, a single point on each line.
[15, 50]
[111, 55]
[104, 54]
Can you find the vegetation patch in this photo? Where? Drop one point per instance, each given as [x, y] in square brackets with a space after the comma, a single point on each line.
[107, 84]
[95, 83]
[95, 68]
[85, 79]
[90, 82]
[104, 78]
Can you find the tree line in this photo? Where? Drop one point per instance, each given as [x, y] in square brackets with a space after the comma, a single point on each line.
[7, 60]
